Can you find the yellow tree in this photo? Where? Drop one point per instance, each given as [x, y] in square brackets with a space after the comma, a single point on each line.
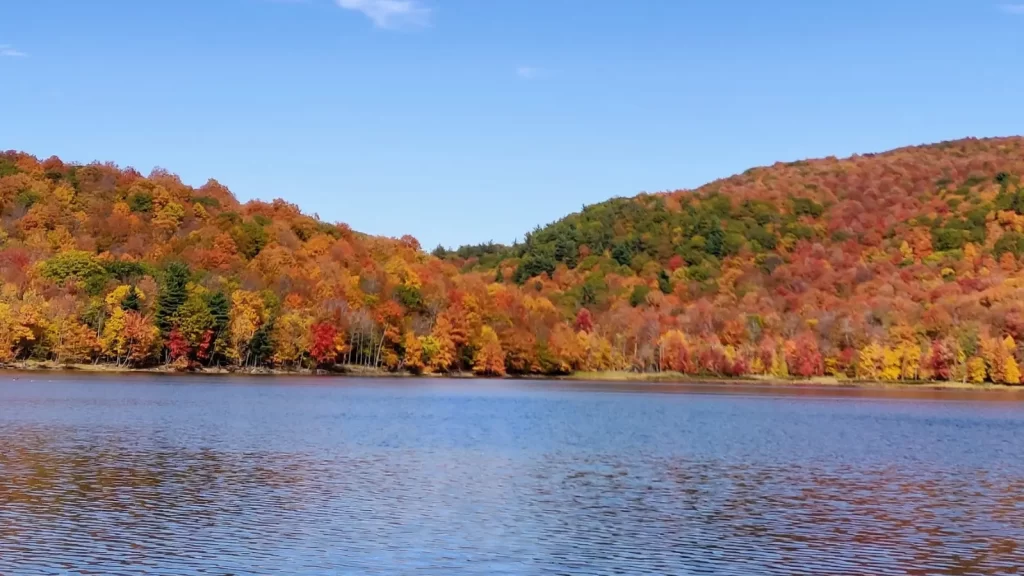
[66, 337]
[910, 357]
[111, 337]
[994, 353]
[115, 298]
[12, 332]
[674, 352]
[247, 316]
[599, 353]
[892, 363]
[998, 355]
[976, 370]
[907, 253]
[413, 358]
[71, 341]
[1011, 371]
[442, 359]
[870, 362]
[489, 359]
[169, 218]
[431, 349]
[291, 337]
[565, 349]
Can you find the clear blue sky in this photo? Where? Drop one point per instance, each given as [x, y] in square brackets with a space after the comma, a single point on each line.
[462, 121]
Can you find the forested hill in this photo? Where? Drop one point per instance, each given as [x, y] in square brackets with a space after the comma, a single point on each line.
[903, 265]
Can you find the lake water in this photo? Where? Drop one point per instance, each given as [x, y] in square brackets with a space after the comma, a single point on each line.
[254, 476]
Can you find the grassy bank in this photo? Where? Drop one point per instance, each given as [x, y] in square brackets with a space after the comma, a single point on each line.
[679, 378]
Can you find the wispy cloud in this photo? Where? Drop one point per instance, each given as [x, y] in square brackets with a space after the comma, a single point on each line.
[390, 13]
[1016, 9]
[9, 51]
[531, 72]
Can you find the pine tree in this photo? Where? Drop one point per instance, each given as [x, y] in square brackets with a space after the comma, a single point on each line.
[664, 282]
[261, 347]
[132, 300]
[220, 310]
[173, 294]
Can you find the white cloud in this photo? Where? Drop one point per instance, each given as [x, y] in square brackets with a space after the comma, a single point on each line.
[531, 72]
[8, 50]
[1017, 9]
[390, 13]
[528, 72]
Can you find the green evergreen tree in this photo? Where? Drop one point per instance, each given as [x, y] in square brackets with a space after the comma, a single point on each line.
[173, 293]
[261, 348]
[132, 301]
[639, 295]
[622, 253]
[664, 282]
[220, 310]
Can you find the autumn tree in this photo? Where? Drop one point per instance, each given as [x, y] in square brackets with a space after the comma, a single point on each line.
[247, 318]
[490, 358]
[324, 347]
[413, 357]
[901, 266]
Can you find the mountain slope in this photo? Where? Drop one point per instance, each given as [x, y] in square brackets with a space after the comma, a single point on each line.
[903, 249]
[901, 265]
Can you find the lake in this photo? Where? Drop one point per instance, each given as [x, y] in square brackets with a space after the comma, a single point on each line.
[198, 475]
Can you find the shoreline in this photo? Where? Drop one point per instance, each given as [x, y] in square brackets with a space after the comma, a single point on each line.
[613, 377]
[818, 382]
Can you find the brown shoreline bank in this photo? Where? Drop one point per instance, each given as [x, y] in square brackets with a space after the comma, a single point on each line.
[616, 377]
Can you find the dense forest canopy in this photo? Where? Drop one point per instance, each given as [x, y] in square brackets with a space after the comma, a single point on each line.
[902, 265]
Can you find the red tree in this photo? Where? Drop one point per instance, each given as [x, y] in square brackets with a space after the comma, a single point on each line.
[584, 321]
[323, 349]
[177, 344]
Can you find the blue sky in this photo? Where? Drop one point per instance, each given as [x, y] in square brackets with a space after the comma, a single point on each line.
[463, 121]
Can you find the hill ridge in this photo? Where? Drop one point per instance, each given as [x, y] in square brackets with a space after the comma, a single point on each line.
[896, 265]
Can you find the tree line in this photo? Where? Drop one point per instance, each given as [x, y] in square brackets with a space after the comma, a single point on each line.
[898, 266]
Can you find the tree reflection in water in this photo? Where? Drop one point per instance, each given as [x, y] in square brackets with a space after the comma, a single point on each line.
[380, 482]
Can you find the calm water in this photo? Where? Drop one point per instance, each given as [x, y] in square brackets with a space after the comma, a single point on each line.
[190, 476]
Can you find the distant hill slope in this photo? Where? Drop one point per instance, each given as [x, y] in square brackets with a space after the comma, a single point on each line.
[902, 265]
[945, 191]
[924, 241]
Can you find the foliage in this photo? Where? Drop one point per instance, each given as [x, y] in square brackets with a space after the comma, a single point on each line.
[896, 266]
[490, 358]
[173, 292]
[74, 264]
[141, 202]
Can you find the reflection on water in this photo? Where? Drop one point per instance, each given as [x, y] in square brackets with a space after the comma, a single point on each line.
[269, 477]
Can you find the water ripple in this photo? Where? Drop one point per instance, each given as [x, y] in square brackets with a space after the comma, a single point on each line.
[258, 480]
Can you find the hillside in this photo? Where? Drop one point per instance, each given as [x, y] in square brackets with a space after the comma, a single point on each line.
[903, 265]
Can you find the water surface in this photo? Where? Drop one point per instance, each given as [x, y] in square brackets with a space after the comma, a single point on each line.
[253, 476]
